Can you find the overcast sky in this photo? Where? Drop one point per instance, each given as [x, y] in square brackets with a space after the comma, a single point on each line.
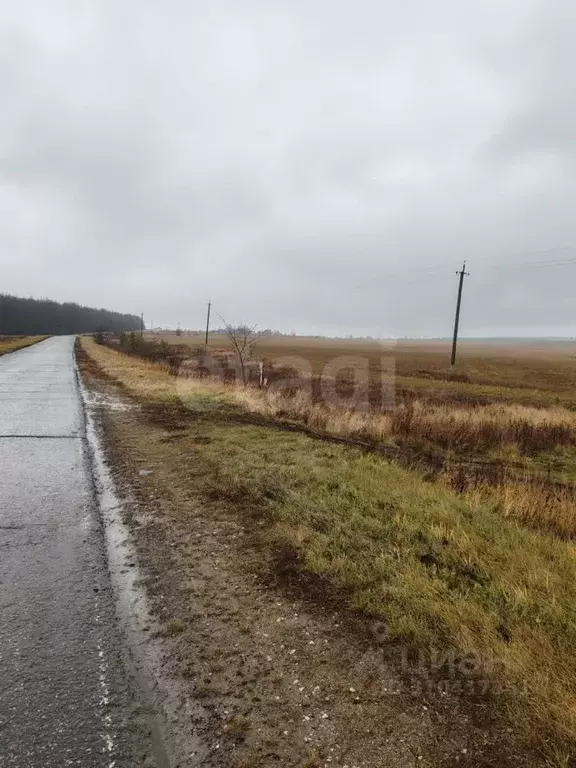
[312, 165]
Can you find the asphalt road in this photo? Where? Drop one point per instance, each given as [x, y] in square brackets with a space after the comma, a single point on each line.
[65, 699]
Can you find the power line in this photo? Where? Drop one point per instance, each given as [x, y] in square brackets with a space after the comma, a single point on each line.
[407, 277]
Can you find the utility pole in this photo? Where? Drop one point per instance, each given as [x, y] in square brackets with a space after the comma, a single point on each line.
[142, 324]
[208, 320]
[462, 274]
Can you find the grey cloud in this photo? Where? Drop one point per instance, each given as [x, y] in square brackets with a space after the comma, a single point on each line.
[310, 165]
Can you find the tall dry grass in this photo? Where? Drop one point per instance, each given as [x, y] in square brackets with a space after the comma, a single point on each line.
[464, 431]
[468, 429]
[532, 502]
[461, 428]
[441, 570]
[478, 429]
[535, 504]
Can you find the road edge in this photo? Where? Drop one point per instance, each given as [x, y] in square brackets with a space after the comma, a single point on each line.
[143, 650]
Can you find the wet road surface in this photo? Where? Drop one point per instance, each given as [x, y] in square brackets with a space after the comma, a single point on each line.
[64, 695]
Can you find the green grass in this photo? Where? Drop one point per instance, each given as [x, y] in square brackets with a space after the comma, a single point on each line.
[439, 569]
[500, 445]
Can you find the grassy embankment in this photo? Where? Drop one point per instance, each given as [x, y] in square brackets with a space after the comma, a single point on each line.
[490, 440]
[440, 569]
[13, 343]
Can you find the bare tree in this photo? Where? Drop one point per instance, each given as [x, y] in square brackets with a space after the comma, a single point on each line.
[243, 338]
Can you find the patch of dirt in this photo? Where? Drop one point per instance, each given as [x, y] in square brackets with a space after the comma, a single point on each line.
[287, 677]
[171, 415]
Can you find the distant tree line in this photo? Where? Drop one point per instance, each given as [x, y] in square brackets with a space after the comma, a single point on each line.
[20, 316]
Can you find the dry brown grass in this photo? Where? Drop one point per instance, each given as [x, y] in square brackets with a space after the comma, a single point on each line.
[479, 429]
[461, 428]
[440, 569]
[548, 367]
[540, 506]
[466, 428]
[13, 343]
[465, 432]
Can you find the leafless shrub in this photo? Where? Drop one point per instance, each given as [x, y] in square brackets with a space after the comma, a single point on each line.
[243, 339]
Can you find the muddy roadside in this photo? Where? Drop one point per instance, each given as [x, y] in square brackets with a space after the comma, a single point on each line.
[272, 670]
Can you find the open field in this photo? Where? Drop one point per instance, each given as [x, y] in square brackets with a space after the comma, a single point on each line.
[13, 343]
[502, 432]
[546, 367]
[468, 572]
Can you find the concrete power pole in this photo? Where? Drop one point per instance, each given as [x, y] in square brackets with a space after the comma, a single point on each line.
[462, 274]
[208, 321]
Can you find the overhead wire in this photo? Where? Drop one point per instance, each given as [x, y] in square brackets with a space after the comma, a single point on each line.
[494, 262]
